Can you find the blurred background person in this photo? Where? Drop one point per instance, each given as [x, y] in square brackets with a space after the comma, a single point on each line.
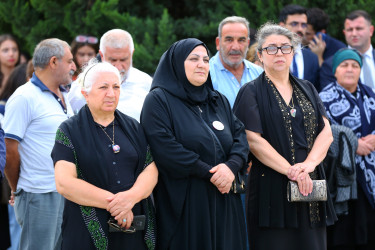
[9, 57]
[103, 166]
[16, 79]
[84, 47]
[316, 37]
[252, 55]
[289, 136]
[352, 104]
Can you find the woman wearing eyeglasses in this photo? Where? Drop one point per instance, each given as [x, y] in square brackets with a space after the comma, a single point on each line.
[83, 49]
[289, 136]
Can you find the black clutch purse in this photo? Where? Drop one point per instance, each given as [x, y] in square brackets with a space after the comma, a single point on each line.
[319, 192]
[239, 183]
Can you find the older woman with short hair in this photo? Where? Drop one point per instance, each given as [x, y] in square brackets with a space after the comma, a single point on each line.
[352, 104]
[289, 135]
[104, 169]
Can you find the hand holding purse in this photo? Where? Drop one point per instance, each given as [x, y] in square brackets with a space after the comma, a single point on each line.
[319, 192]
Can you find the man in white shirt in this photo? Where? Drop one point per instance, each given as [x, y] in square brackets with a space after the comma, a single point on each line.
[33, 114]
[358, 31]
[117, 48]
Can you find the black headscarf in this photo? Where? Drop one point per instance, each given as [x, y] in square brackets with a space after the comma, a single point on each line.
[170, 74]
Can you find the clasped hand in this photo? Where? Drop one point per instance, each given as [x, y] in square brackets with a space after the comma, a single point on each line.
[120, 207]
[222, 177]
[300, 173]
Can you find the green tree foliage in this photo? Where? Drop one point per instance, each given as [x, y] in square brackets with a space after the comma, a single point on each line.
[154, 24]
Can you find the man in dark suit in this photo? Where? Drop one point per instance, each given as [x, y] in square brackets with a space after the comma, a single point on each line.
[305, 63]
[316, 37]
[358, 31]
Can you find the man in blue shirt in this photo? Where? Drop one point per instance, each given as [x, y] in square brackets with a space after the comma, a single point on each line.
[33, 114]
[228, 68]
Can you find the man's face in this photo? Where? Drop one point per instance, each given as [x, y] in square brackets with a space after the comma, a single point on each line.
[358, 33]
[233, 44]
[120, 58]
[296, 23]
[309, 34]
[65, 68]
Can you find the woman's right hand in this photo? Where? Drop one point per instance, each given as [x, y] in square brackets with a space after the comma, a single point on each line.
[305, 184]
[128, 217]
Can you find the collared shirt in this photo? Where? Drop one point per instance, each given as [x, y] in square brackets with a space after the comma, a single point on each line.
[226, 83]
[132, 95]
[299, 61]
[32, 115]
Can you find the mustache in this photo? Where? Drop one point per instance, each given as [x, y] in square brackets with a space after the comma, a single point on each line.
[71, 72]
[235, 52]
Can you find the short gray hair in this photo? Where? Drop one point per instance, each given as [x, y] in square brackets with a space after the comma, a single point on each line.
[91, 72]
[117, 39]
[270, 28]
[46, 49]
[234, 19]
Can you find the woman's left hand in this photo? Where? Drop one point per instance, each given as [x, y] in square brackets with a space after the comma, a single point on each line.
[120, 204]
[295, 170]
[222, 177]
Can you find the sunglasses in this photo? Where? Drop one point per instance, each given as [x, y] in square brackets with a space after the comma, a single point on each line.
[295, 24]
[87, 39]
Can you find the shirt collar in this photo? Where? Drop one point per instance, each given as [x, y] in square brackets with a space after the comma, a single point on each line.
[37, 82]
[368, 53]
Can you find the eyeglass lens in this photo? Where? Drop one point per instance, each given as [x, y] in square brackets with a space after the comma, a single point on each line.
[272, 50]
[295, 24]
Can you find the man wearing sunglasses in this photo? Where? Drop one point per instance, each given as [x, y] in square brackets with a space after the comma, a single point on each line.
[305, 63]
[117, 47]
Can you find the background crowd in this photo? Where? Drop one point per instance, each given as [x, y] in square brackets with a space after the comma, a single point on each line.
[301, 77]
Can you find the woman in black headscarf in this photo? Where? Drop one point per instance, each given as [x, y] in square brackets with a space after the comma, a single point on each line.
[198, 146]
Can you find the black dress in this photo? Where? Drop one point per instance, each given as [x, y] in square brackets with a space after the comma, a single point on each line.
[273, 223]
[191, 129]
[118, 171]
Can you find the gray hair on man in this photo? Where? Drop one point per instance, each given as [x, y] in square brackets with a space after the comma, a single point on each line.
[91, 72]
[117, 39]
[270, 28]
[234, 19]
[46, 49]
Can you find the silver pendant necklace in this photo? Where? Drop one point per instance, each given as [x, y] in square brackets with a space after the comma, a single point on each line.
[115, 147]
[293, 111]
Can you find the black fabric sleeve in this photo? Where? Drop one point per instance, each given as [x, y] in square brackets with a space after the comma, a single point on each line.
[246, 108]
[240, 148]
[169, 154]
[62, 150]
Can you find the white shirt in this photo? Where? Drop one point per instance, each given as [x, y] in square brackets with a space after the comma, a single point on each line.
[299, 61]
[32, 117]
[132, 95]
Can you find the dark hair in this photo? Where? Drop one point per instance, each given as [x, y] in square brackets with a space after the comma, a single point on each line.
[291, 9]
[358, 13]
[16, 79]
[77, 45]
[29, 69]
[318, 19]
[6, 37]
